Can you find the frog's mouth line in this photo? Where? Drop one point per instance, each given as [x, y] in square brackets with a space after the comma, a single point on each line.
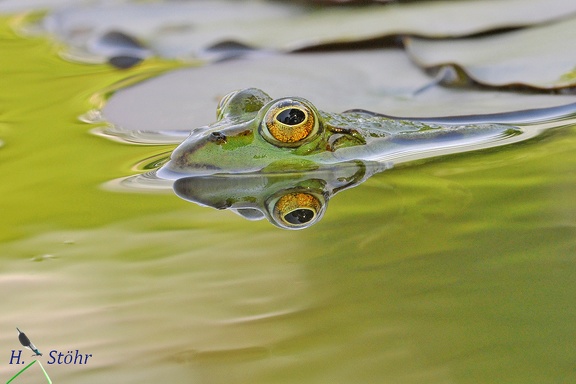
[172, 171]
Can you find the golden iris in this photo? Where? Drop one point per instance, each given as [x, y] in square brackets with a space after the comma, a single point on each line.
[288, 123]
[297, 208]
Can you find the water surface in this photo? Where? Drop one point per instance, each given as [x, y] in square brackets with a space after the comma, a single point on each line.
[458, 269]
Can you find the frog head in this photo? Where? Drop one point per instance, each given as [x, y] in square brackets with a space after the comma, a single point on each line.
[254, 132]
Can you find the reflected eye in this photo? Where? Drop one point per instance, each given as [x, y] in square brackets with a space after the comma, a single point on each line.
[297, 210]
[289, 123]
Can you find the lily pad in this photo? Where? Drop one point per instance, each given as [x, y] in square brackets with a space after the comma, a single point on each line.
[541, 57]
[188, 30]
[13, 6]
[164, 109]
[342, 2]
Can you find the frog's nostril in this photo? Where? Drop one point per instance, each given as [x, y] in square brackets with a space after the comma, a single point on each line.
[217, 137]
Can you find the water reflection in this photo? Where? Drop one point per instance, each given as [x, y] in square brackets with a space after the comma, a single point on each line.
[295, 194]
[290, 200]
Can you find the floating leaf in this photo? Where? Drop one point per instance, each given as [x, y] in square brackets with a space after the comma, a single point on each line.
[383, 81]
[189, 29]
[540, 57]
[340, 2]
[10, 6]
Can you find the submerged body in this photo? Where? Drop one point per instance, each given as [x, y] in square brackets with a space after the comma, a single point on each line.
[253, 132]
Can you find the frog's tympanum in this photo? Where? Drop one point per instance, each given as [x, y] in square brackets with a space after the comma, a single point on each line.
[283, 159]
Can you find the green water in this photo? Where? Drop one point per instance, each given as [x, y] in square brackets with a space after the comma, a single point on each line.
[456, 270]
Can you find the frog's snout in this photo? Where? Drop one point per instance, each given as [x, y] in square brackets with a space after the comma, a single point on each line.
[183, 163]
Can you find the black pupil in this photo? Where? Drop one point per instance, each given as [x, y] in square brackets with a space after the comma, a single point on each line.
[291, 116]
[299, 216]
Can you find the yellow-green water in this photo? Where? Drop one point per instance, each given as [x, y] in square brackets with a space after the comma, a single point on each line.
[456, 270]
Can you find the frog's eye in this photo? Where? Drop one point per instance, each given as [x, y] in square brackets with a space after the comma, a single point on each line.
[296, 210]
[289, 123]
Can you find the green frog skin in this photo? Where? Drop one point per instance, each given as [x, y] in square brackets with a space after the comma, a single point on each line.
[253, 133]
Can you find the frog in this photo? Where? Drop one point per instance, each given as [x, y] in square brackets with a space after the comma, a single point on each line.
[284, 159]
[255, 133]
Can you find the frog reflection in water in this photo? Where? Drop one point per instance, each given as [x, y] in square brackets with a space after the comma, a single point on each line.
[290, 200]
[257, 135]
